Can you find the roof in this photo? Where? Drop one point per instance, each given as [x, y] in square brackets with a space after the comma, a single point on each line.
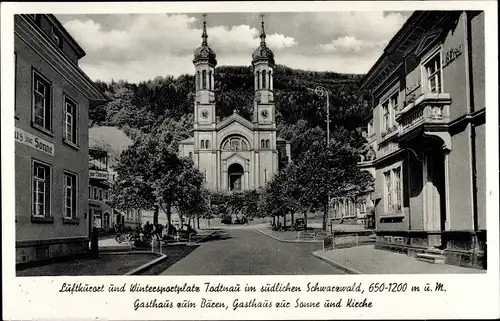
[235, 118]
[189, 140]
[413, 34]
[79, 50]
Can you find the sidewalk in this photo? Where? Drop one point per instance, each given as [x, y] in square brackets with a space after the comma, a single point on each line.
[291, 236]
[366, 259]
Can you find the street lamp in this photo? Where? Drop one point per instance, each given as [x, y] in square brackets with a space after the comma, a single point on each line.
[322, 91]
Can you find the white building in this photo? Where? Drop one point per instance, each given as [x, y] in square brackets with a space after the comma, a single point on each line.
[234, 154]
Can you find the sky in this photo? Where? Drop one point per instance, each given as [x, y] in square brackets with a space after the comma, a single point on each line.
[137, 47]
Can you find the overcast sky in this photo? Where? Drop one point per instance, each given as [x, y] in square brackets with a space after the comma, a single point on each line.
[143, 46]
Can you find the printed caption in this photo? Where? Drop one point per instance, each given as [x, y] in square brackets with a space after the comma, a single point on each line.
[334, 296]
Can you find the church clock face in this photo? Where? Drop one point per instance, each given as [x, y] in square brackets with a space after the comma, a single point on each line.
[204, 113]
[264, 113]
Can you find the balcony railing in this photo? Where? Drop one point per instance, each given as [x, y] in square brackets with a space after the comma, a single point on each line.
[427, 109]
[98, 174]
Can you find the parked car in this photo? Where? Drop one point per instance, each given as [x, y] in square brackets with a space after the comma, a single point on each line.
[299, 224]
[242, 220]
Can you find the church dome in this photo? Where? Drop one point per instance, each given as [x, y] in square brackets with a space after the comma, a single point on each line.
[263, 53]
[204, 52]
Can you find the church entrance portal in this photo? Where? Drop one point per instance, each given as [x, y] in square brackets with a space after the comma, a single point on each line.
[235, 173]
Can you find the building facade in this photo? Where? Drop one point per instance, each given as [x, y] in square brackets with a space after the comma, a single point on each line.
[235, 153]
[100, 211]
[428, 91]
[52, 97]
[101, 177]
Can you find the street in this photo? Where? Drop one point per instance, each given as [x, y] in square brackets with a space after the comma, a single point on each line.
[249, 252]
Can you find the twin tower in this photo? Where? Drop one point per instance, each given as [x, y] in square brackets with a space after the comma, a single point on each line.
[234, 154]
[262, 62]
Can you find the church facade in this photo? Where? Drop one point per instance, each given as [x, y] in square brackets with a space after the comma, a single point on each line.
[235, 154]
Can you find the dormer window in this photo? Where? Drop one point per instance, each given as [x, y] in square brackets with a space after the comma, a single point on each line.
[56, 37]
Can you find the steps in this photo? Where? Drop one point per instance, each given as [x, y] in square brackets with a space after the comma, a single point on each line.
[434, 256]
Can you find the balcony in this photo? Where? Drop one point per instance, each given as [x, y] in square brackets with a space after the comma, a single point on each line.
[429, 112]
[98, 174]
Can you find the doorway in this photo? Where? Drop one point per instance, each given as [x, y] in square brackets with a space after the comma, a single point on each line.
[235, 173]
[434, 191]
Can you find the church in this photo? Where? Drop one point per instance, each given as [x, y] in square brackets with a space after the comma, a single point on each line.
[235, 154]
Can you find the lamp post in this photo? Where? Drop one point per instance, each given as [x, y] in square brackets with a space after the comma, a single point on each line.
[322, 91]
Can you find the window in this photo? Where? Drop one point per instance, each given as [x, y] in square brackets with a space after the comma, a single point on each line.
[207, 144]
[106, 219]
[69, 120]
[41, 102]
[100, 194]
[56, 37]
[90, 191]
[267, 143]
[385, 117]
[262, 144]
[258, 79]
[263, 79]
[270, 82]
[393, 191]
[95, 193]
[370, 130]
[432, 70]
[41, 190]
[397, 188]
[210, 80]
[198, 80]
[106, 195]
[388, 191]
[204, 79]
[389, 109]
[202, 144]
[265, 175]
[190, 155]
[394, 107]
[70, 182]
[235, 144]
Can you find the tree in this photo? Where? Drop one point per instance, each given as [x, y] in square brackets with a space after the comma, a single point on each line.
[330, 171]
[152, 176]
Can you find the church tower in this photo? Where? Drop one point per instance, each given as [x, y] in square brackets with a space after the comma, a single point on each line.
[204, 62]
[264, 115]
[204, 126]
[263, 65]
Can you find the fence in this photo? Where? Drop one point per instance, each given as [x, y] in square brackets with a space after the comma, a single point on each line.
[340, 241]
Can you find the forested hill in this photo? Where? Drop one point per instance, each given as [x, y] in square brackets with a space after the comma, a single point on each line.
[165, 104]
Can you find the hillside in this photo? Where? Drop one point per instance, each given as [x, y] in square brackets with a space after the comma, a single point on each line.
[164, 105]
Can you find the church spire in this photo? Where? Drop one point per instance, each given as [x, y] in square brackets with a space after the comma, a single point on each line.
[204, 35]
[262, 31]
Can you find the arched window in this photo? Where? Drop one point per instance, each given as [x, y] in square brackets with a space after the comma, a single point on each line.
[267, 143]
[263, 79]
[202, 144]
[210, 80]
[265, 175]
[262, 144]
[198, 79]
[190, 155]
[204, 79]
[207, 144]
[235, 143]
[270, 81]
[258, 80]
